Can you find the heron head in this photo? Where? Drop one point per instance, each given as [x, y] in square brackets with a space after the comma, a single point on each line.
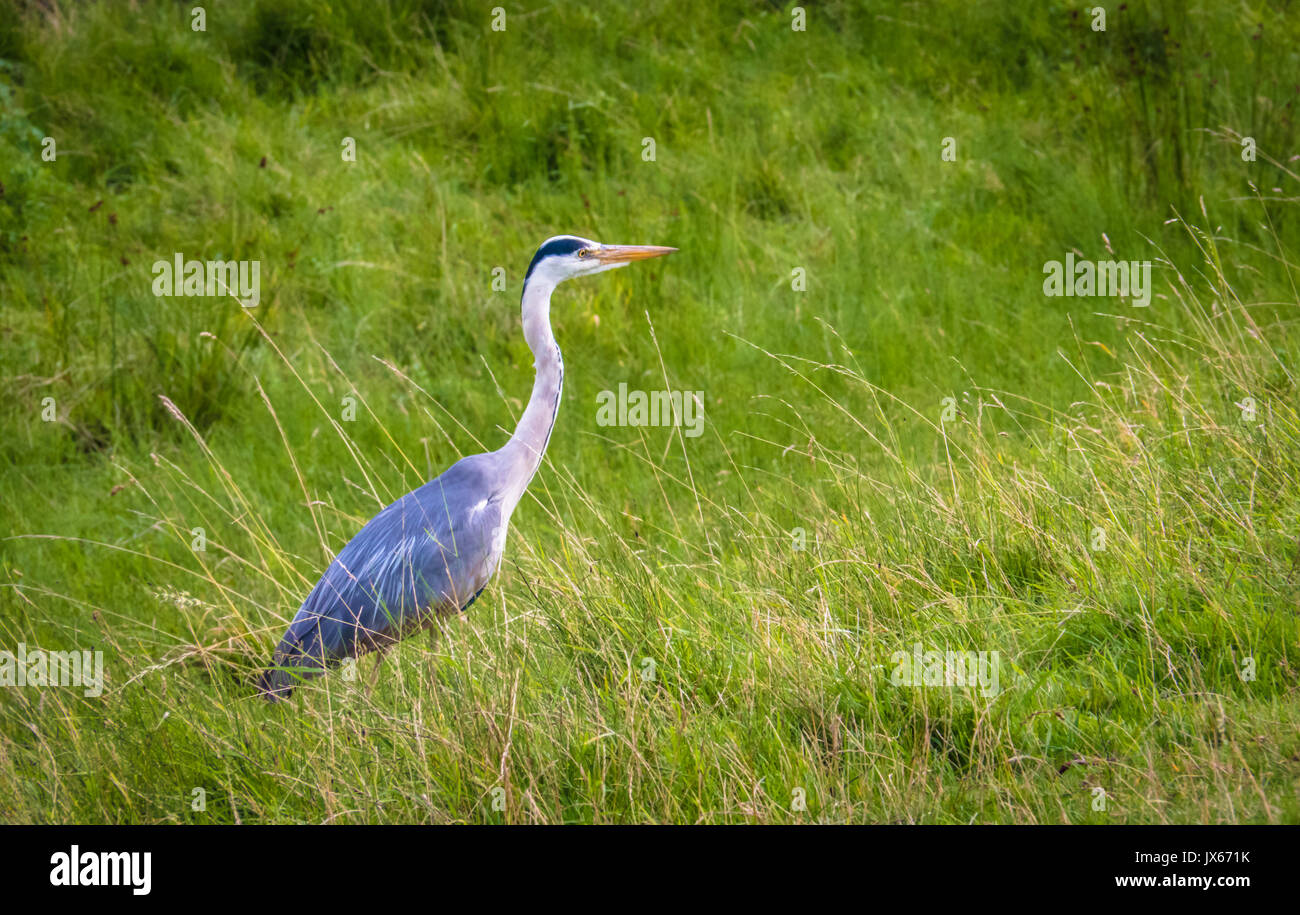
[566, 256]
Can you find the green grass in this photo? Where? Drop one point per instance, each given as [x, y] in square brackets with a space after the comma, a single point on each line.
[655, 648]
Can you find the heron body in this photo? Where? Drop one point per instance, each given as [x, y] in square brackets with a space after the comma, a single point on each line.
[435, 549]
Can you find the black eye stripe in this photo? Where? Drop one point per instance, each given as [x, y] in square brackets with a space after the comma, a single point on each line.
[558, 246]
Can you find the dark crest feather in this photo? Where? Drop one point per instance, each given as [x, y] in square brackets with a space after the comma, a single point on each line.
[558, 246]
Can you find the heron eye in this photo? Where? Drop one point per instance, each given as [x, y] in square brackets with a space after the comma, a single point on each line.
[582, 252]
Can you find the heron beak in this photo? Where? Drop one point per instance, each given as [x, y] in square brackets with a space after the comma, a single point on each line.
[625, 254]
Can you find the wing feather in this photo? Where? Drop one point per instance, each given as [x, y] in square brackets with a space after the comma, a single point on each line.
[433, 550]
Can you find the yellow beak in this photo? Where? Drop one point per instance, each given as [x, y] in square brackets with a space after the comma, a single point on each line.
[622, 254]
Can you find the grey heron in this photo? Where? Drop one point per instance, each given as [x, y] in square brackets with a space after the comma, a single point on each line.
[434, 550]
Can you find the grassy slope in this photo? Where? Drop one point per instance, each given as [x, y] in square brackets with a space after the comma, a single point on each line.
[771, 666]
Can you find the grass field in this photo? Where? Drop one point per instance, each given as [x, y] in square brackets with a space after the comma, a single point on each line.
[907, 446]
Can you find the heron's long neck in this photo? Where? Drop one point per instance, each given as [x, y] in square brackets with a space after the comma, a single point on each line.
[526, 447]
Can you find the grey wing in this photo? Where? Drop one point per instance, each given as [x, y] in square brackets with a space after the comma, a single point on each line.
[432, 550]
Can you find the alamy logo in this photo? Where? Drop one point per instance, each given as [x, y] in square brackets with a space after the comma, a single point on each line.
[947, 668]
[656, 408]
[242, 279]
[1102, 278]
[53, 668]
[103, 868]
